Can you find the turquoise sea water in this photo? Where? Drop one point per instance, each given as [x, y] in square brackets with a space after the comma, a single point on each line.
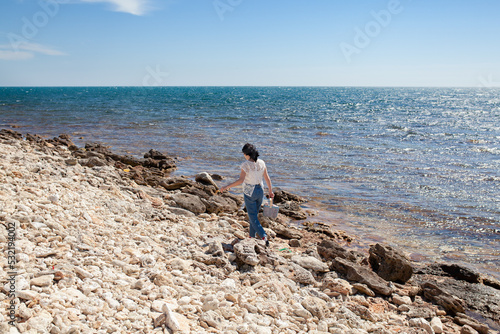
[418, 168]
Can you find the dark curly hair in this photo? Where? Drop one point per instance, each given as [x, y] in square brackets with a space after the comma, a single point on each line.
[250, 150]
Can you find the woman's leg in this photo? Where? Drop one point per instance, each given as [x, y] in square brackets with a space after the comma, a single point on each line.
[253, 207]
[252, 231]
[250, 206]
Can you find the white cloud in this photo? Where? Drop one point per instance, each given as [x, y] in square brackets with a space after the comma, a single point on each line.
[26, 50]
[135, 7]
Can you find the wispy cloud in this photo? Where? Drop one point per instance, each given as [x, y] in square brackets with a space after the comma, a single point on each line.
[135, 7]
[26, 50]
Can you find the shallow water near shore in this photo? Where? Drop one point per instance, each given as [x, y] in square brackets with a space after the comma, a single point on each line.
[418, 168]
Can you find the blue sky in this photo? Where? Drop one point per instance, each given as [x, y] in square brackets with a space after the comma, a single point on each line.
[249, 42]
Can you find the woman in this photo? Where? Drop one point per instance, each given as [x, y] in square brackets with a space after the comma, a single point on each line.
[252, 172]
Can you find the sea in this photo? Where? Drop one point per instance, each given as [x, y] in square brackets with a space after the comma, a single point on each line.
[415, 168]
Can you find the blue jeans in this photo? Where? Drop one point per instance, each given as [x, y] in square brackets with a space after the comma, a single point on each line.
[253, 203]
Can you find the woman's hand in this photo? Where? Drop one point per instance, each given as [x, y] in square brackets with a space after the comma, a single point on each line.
[271, 194]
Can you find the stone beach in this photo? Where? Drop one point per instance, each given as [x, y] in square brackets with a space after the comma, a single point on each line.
[113, 244]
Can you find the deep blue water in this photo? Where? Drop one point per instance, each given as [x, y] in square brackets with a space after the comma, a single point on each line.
[416, 167]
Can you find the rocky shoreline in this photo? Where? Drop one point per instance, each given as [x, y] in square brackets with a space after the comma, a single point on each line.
[105, 243]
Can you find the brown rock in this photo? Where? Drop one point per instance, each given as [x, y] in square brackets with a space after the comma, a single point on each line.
[491, 281]
[63, 139]
[284, 196]
[361, 274]
[464, 320]
[154, 154]
[174, 183]
[97, 147]
[203, 192]
[285, 231]
[71, 162]
[218, 204]
[390, 264]
[92, 162]
[362, 311]
[206, 179]
[59, 275]
[363, 288]
[335, 286]
[292, 209]
[189, 202]
[461, 273]
[330, 249]
[468, 330]
[450, 303]
[34, 138]
[9, 134]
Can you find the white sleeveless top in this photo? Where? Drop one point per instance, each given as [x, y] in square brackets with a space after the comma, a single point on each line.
[254, 172]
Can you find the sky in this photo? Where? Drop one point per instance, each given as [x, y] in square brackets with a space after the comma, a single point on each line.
[413, 43]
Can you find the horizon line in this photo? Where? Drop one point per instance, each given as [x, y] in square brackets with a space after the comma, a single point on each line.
[232, 86]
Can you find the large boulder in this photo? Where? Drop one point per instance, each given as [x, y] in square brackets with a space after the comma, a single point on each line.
[390, 264]
[302, 275]
[203, 192]
[330, 249]
[189, 202]
[281, 196]
[292, 209]
[245, 251]
[358, 273]
[285, 231]
[206, 179]
[218, 204]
